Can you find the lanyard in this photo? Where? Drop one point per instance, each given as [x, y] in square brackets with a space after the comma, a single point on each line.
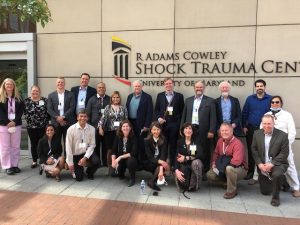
[225, 148]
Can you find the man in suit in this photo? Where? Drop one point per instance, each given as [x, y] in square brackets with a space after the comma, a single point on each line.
[200, 110]
[228, 109]
[60, 106]
[255, 107]
[140, 112]
[83, 92]
[95, 108]
[270, 149]
[168, 111]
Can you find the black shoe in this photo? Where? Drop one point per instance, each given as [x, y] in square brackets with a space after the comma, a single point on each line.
[10, 171]
[153, 186]
[122, 176]
[131, 182]
[249, 176]
[41, 170]
[16, 169]
[90, 177]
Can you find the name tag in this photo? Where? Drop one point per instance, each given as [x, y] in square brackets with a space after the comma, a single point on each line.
[59, 107]
[82, 145]
[170, 110]
[195, 118]
[81, 103]
[102, 111]
[11, 116]
[116, 123]
[193, 149]
[41, 103]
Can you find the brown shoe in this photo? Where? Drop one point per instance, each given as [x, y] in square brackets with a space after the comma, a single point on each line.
[66, 166]
[296, 193]
[275, 202]
[230, 195]
[252, 182]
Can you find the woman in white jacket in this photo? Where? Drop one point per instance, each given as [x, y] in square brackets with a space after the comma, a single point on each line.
[284, 121]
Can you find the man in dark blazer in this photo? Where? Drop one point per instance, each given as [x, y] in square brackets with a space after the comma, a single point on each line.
[140, 113]
[228, 109]
[95, 109]
[83, 92]
[168, 111]
[200, 110]
[270, 149]
[60, 106]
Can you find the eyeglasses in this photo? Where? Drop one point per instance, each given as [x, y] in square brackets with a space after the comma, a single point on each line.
[275, 102]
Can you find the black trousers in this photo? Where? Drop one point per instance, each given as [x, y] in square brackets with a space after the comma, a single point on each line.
[35, 134]
[129, 163]
[249, 138]
[100, 148]
[171, 132]
[93, 165]
[271, 186]
[141, 156]
[61, 132]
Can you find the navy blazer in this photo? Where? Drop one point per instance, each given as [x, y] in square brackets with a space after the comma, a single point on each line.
[90, 91]
[144, 112]
[19, 109]
[162, 104]
[235, 115]
[206, 114]
[69, 106]
[278, 148]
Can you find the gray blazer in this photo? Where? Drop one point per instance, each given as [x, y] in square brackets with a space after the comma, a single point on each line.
[206, 114]
[69, 107]
[278, 150]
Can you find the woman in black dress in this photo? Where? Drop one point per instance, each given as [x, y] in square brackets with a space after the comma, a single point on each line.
[156, 154]
[124, 152]
[49, 151]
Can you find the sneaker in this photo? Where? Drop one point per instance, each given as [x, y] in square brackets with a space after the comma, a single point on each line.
[10, 171]
[16, 169]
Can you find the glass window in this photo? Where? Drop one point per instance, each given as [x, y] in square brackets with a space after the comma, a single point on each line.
[12, 24]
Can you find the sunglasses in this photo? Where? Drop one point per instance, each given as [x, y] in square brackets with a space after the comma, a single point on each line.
[275, 102]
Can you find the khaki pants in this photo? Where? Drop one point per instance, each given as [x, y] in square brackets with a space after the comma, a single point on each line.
[232, 175]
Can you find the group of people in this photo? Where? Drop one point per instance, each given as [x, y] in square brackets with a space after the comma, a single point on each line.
[197, 139]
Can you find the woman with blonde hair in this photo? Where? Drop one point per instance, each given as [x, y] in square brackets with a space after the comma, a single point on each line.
[11, 110]
[37, 119]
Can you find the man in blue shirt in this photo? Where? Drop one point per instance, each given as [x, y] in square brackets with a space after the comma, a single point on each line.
[255, 107]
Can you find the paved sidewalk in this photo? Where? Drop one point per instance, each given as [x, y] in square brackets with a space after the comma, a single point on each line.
[110, 200]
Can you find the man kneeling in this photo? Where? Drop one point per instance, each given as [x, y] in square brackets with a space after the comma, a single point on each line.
[270, 149]
[228, 161]
[80, 144]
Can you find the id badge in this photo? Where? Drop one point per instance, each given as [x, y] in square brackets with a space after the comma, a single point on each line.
[41, 103]
[170, 110]
[11, 116]
[81, 103]
[59, 107]
[116, 123]
[82, 145]
[193, 149]
[195, 118]
[102, 111]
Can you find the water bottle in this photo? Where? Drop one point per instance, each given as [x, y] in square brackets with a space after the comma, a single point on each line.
[143, 187]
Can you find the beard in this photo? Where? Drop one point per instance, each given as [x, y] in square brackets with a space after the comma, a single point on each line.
[225, 94]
